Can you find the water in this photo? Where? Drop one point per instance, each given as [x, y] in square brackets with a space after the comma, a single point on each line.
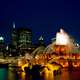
[68, 75]
[11, 74]
[8, 74]
[3, 74]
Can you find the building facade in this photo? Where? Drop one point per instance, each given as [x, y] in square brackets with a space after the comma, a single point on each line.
[2, 46]
[24, 38]
[14, 36]
[21, 40]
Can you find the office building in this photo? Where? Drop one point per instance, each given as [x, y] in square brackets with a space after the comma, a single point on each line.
[24, 38]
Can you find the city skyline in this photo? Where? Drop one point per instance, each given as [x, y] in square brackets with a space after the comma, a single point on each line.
[39, 40]
[43, 17]
[10, 31]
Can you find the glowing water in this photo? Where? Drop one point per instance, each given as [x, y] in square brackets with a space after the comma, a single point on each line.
[62, 38]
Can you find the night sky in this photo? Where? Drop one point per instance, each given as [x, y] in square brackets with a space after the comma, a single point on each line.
[42, 16]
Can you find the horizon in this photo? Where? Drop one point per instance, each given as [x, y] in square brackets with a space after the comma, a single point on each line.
[33, 40]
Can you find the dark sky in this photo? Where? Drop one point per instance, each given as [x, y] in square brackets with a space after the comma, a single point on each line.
[42, 16]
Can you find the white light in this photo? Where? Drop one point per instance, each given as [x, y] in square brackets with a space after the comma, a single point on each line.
[1, 38]
[7, 48]
[13, 25]
[62, 38]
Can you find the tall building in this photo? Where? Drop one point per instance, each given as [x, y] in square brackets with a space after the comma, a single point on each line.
[1, 40]
[21, 40]
[2, 45]
[24, 38]
[13, 44]
[14, 36]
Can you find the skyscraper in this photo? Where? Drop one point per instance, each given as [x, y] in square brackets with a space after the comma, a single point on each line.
[13, 45]
[24, 38]
[14, 36]
[2, 45]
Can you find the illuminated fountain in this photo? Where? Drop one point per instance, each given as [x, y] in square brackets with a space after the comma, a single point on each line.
[65, 44]
[62, 46]
[62, 38]
[62, 42]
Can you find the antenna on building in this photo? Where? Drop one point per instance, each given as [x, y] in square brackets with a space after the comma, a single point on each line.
[14, 25]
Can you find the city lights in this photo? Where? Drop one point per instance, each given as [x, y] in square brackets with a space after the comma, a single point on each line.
[1, 38]
[51, 59]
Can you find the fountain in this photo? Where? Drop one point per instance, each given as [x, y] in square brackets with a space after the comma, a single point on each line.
[63, 44]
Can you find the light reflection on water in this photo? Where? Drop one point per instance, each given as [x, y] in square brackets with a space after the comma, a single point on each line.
[68, 75]
[11, 74]
[8, 74]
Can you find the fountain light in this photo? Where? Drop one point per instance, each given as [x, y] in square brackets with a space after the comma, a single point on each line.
[62, 38]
